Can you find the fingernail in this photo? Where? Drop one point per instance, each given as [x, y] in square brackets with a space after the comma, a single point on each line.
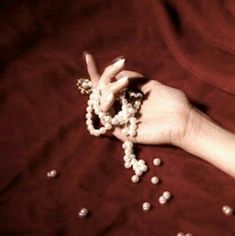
[119, 63]
[85, 56]
[123, 79]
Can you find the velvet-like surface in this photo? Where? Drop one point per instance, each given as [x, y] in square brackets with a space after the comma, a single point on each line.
[186, 44]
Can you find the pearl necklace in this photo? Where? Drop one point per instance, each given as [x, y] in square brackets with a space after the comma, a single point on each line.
[130, 103]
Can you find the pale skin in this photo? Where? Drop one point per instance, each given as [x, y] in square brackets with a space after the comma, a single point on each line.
[166, 117]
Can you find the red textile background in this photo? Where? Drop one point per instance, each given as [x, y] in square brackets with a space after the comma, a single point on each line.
[186, 44]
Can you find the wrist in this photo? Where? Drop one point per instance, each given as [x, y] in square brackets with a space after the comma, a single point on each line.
[197, 124]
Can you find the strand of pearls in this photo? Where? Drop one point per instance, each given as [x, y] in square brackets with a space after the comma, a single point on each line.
[130, 103]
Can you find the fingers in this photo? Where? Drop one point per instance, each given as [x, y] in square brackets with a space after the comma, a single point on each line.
[91, 68]
[109, 96]
[111, 71]
[119, 85]
[129, 73]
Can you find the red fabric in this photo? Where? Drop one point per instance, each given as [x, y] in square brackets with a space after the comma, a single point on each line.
[186, 44]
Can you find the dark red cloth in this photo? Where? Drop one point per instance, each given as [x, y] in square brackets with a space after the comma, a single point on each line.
[186, 44]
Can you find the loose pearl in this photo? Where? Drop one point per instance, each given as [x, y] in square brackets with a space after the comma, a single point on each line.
[146, 206]
[180, 234]
[83, 213]
[157, 162]
[162, 200]
[227, 210]
[166, 195]
[188, 234]
[154, 180]
[135, 178]
[52, 174]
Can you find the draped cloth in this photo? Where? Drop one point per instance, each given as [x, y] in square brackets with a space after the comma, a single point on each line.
[185, 44]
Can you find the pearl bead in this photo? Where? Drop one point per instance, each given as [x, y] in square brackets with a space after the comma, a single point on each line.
[154, 180]
[227, 210]
[89, 109]
[132, 133]
[138, 172]
[180, 234]
[162, 200]
[83, 213]
[135, 178]
[188, 234]
[125, 117]
[52, 174]
[143, 168]
[157, 162]
[127, 165]
[125, 132]
[166, 195]
[128, 151]
[146, 206]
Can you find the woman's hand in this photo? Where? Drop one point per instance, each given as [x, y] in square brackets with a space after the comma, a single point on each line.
[164, 113]
[167, 117]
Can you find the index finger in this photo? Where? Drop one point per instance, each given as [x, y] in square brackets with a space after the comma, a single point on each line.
[91, 68]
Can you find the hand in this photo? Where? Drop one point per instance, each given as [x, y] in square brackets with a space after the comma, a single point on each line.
[163, 114]
[166, 116]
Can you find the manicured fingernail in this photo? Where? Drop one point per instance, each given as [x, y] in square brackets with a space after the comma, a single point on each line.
[85, 56]
[119, 63]
[123, 79]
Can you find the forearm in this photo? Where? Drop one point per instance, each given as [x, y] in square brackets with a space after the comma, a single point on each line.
[210, 142]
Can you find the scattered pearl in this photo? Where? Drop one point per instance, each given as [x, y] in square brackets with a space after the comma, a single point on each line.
[227, 210]
[166, 195]
[162, 200]
[180, 234]
[52, 174]
[83, 213]
[157, 162]
[135, 178]
[146, 206]
[154, 180]
[188, 234]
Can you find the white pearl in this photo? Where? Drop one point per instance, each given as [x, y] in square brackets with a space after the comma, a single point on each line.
[142, 162]
[138, 172]
[132, 133]
[88, 115]
[166, 195]
[157, 162]
[83, 213]
[162, 200]
[52, 174]
[96, 133]
[89, 109]
[135, 178]
[146, 206]
[180, 234]
[154, 180]
[108, 126]
[127, 165]
[227, 210]
[88, 122]
[188, 234]
[128, 151]
[144, 168]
